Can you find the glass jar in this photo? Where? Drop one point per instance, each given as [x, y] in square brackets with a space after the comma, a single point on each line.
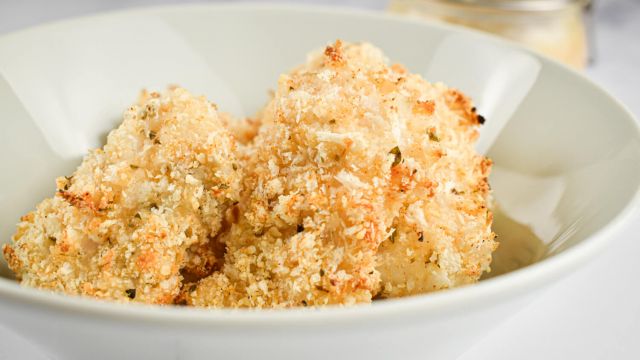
[553, 27]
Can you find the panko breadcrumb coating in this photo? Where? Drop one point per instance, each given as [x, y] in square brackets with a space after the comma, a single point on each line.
[313, 212]
[357, 181]
[442, 229]
[139, 213]
[243, 130]
[362, 181]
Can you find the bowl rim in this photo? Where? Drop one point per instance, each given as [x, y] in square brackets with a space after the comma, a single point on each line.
[484, 293]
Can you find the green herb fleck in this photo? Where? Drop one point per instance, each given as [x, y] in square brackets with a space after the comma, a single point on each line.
[398, 156]
[67, 185]
[433, 136]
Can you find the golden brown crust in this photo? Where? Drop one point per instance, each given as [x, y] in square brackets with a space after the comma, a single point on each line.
[333, 54]
[357, 180]
[308, 231]
[442, 234]
[243, 130]
[363, 181]
[426, 107]
[138, 212]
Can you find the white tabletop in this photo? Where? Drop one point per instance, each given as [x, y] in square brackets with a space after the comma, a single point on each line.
[592, 314]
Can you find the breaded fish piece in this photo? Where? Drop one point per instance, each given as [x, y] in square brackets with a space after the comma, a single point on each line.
[139, 213]
[442, 234]
[362, 182]
[313, 212]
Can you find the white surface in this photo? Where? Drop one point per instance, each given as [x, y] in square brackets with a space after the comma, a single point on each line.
[572, 176]
[594, 313]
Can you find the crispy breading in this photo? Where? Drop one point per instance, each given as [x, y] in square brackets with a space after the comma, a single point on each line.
[442, 228]
[357, 180]
[243, 130]
[315, 186]
[138, 213]
[362, 181]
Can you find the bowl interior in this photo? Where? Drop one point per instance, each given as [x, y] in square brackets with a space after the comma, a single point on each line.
[566, 154]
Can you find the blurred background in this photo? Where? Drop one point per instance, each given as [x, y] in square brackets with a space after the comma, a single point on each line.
[600, 38]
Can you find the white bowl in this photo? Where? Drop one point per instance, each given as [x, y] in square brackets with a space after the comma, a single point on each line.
[566, 176]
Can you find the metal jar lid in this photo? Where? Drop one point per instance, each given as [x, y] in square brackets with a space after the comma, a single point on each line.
[519, 5]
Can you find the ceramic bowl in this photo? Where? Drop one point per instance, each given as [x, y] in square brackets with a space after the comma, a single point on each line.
[566, 172]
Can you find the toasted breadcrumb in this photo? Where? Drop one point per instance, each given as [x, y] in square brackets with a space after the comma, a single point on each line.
[243, 130]
[362, 181]
[138, 213]
[440, 195]
[358, 180]
[315, 183]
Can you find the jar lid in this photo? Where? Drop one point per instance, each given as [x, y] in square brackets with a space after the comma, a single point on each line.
[520, 5]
